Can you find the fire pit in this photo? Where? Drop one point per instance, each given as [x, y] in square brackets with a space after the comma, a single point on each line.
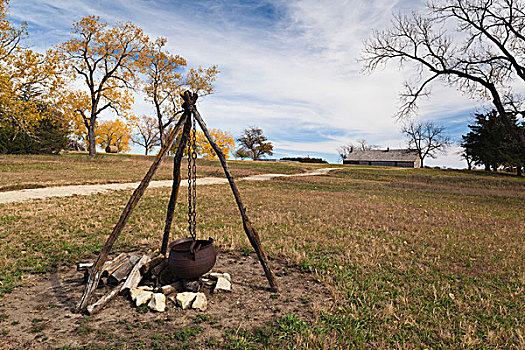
[189, 258]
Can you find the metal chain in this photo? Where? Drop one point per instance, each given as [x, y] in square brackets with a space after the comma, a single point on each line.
[192, 180]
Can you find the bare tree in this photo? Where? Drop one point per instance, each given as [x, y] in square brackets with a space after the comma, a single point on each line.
[426, 138]
[481, 58]
[147, 134]
[345, 150]
[363, 145]
[468, 158]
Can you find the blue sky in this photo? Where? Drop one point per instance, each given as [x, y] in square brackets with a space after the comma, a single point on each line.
[289, 67]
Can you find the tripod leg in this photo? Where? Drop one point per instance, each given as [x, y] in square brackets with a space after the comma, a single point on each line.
[253, 236]
[96, 273]
[175, 188]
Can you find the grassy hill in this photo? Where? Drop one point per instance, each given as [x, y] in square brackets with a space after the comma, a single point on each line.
[414, 258]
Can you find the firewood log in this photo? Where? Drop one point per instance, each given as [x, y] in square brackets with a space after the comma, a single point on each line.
[145, 269]
[158, 269]
[165, 276]
[134, 277]
[111, 266]
[108, 268]
[121, 273]
[84, 266]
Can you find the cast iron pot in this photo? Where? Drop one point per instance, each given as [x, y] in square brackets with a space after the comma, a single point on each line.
[191, 258]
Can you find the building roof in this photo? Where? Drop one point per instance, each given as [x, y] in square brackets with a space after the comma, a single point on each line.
[390, 155]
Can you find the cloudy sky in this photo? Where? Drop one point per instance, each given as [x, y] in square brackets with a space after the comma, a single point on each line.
[289, 67]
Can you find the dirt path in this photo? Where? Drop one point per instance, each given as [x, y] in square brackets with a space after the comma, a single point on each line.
[83, 190]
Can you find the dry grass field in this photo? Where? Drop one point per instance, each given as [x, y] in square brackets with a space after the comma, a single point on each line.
[413, 258]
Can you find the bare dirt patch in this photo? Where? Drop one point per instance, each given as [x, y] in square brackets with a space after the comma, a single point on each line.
[38, 314]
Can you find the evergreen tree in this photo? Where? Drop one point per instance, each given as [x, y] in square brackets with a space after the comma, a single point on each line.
[488, 143]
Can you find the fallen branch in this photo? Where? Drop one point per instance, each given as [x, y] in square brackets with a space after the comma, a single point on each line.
[96, 307]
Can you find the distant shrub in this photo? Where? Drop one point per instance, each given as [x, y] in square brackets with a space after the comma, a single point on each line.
[48, 137]
[305, 159]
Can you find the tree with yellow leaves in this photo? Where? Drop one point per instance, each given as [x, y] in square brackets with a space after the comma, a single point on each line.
[114, 133]
[203, 148]
[29, 80]
[79, 101]
[223, 139]
[31, 84]
[107, 59]
[165, 80]
[10, 36]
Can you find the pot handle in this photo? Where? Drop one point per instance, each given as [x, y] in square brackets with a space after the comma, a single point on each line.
[193, 250]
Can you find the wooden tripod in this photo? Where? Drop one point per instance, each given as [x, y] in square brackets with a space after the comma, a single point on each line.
[189, 110]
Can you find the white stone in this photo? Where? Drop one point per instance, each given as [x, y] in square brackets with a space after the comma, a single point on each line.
[184, 299]
[223, 285]
[139, 290]
[208, 282]
[200, 302]
[158, 302]
[143, 298]
[171, 288]
[216, 275]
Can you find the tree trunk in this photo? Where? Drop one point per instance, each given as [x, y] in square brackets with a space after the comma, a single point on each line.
[161, 132]
[91, 139]
[159, 118]
[421, 164]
